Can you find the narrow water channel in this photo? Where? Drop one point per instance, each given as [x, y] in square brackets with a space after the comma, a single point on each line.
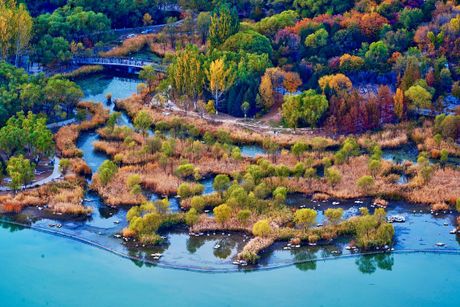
[215, 251]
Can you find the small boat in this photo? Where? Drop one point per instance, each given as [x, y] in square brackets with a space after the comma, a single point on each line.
[236, 262]
[216, 246]
[348, 247]
[453, 231]
[396, 219]
[118, 236]
[206, 211]
[156, 255]
[335, 202]
[116, 222]
[312, 243]
[287, 247]
[440, 244]
[59, 225]
[446, 224]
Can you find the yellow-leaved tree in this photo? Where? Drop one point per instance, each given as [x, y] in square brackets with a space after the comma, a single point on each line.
[220, 78]
[15, 29]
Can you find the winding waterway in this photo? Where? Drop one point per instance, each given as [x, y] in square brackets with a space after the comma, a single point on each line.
[100, 275]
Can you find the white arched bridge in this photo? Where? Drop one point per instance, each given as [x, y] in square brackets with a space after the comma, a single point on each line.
[130, 63]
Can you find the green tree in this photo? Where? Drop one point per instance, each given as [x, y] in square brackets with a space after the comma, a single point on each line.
[317, 39]
[243, 216]
[63, 92]
[21, 171]
[149, 75]
[221, 183]
[106, 171]
[419, 96]
[186, 74]
[198, 203]
[143, 121]
[333, 176]
[248, 41]
[203, 22]
[245, 108]
[224, 23]
[365, 183]
[191, 217]
[377, 55]
[306, 108]
[298, 149]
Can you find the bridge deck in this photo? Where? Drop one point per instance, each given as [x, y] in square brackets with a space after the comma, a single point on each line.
[124, 62]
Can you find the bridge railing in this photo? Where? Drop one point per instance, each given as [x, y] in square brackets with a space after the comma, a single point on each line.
[138, 63]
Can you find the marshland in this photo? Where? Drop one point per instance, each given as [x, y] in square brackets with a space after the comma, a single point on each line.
[260, 137]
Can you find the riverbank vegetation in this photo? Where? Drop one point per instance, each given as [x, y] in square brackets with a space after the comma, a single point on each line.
[324, 92]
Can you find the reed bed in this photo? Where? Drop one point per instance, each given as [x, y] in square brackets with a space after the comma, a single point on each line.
[238, 133]
[207, 224]
[117, 193]
[130, 45]
[393, 136]
[443, 186]
[83, 71]
[63, 197]
[254, 247]
[66, 137]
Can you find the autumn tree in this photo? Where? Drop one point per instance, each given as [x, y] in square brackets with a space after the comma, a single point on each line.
[262, 228]
[333, 215]
[23, 31]
[220, 78]
[222, 213]
[399, 104]
[147, 19]
[185, 74]
[337, 83]
[385, 104]
[305, 217]
[291, 81]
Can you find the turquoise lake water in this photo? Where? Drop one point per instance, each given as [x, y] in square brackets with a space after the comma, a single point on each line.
[42, 270]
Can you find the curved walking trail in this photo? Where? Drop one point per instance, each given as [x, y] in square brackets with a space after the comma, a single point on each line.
[56, 174]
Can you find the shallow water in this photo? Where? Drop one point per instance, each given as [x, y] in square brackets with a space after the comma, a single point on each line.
[58, 272]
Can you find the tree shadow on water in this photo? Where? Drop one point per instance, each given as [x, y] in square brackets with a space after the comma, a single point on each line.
[368, 264]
